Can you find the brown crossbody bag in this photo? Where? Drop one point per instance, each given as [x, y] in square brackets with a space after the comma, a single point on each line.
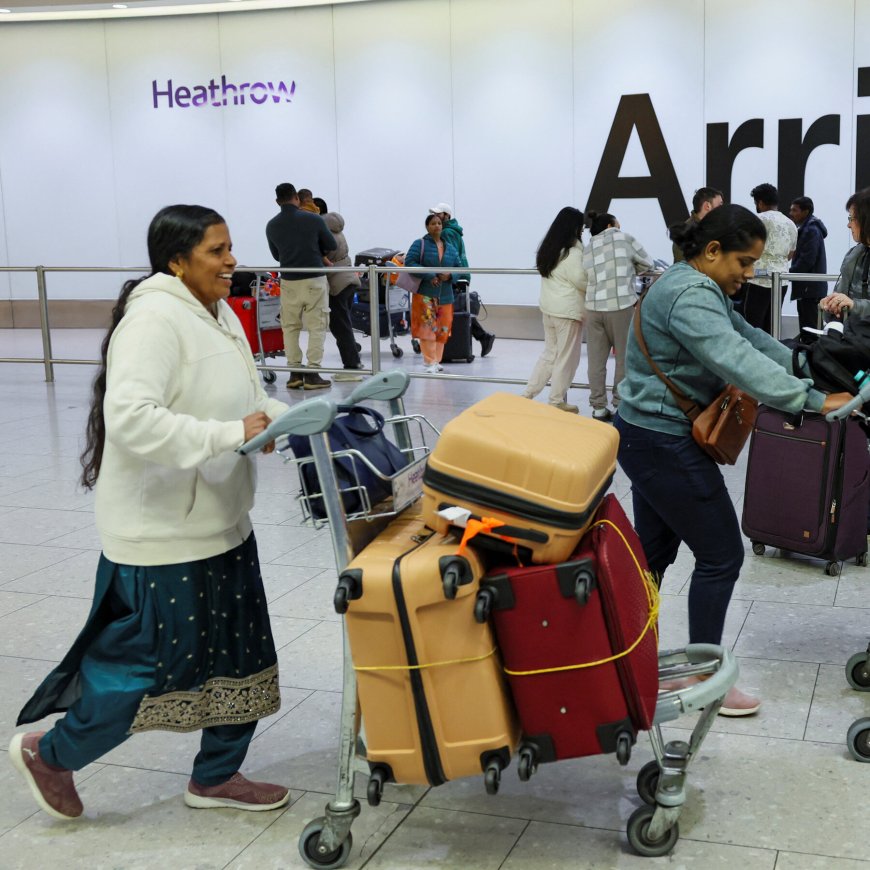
[723, 427]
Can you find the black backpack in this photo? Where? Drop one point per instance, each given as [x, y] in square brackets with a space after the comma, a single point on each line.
[836, 358]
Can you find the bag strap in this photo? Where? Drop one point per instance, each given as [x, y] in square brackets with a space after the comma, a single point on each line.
[865, 274]
[686, 405]
[356, 413]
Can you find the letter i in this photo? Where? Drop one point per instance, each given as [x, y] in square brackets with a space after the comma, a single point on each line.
[862, 134]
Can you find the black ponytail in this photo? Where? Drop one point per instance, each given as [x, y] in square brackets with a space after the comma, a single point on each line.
[174, 232]
[733, 226]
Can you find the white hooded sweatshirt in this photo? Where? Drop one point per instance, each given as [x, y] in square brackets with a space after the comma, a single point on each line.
[171, 488]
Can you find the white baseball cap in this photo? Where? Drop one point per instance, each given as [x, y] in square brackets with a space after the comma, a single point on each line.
[442, 207]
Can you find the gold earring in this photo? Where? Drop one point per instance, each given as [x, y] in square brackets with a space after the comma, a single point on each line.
[179, 273]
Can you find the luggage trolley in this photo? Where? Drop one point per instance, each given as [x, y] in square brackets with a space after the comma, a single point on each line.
[260, 314]
[326, 841]
[394, 303]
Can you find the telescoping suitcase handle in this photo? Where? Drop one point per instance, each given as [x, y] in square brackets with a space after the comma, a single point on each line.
[853, 405]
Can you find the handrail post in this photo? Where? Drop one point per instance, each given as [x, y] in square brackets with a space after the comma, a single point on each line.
[776, 305]
[374, 300]
[43, 324]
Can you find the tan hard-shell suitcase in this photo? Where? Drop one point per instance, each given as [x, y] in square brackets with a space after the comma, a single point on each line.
[432, 691]
[539, 470]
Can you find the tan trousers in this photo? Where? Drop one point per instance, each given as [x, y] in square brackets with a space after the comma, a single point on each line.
[558, 363]
[304, 305]
[606, 330]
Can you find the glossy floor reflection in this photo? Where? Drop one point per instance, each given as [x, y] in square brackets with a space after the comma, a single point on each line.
[778, 790]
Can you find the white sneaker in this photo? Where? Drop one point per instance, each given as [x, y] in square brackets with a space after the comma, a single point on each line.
[432, 369]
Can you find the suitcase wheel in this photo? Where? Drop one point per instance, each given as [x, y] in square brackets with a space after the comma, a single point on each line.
[858, 740]
[270, 377]
[398, 352]
[758, 548]
[858, 672]
[492, 777]
[483, 605]
[375, 789]
[527, 763]
[623, 748]
[638, 836]
[832, 569]
[861, 560]
[309, 847]
[455, 572]
[583, 588]
[349, 588]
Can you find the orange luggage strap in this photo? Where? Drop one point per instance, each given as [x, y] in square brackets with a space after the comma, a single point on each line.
[653, 599]
[473, 528]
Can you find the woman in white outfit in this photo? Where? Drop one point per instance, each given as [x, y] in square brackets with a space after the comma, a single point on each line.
[563, 304]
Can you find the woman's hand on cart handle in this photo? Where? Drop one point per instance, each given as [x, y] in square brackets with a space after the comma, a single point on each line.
[840, 405]
[836, 303]
[255, 424]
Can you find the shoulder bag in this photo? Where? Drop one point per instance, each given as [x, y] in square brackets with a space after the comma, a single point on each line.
[408, 281]
[723, 427]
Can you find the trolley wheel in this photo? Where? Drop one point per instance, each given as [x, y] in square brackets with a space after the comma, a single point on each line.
[758, 548]
[415, 345]
[527, 763]
[270, 377]
[623, 748]
[858, 740]
[861, 560]
[858, 672]
[832, 569]
[375, 789]
[648, 782]
[398, 352]
[492, 778]
[340, 599]
[358, 346]
[308, 847]
[638, 839]
[482, 606]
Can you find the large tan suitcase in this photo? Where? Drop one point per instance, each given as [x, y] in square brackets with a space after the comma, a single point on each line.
[539, 470]
[432, 691]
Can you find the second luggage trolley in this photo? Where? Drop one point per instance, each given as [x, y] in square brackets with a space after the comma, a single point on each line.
[326, 841]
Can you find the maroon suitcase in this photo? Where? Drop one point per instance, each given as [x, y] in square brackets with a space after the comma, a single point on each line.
[552, 618]
[808, 486]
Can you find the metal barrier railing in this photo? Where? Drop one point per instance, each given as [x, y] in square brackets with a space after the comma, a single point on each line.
[49, 361]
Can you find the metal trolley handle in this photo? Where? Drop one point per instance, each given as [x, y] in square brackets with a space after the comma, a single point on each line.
[306, 418]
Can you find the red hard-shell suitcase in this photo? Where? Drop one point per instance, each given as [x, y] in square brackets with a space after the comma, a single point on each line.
[807, 486]
[246, 308]
[564, 632]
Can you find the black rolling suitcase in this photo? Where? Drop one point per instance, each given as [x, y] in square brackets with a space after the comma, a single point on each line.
[374, 257]
[807, 487]
[458, 347]
[361, 319]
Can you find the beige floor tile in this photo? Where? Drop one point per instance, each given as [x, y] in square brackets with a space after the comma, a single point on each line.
[674, 621]
[286, 629]
[314, 660]
[316, 553]
[10, 600]
[311, 600]
[277, 847]
[836, 705]
[798, 632]
[135, 819]
[44, 630]
[852, 589]
[796, 861]
[38, 525]
[73, 577]
[790, 580]
[557, 847]
[275, 540]
[278, 580]
[64, 495]
[442, 838]
[19, 678]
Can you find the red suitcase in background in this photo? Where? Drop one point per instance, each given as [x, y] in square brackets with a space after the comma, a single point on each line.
[248, 309]
[551, 618]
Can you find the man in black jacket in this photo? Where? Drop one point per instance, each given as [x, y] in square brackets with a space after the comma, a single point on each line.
[809, 256]
[299, 238]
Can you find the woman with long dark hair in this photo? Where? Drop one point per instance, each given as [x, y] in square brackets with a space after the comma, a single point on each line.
[852, 291]
[178, 637]
[563, 302]
[694, 336]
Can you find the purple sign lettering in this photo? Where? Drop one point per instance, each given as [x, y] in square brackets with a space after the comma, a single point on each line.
[220, 93]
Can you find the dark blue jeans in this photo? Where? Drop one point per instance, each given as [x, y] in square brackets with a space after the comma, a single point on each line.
[679, 495]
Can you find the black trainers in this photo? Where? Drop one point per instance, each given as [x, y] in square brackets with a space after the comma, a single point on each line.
[313, 381]
[295, 381]
[486, 343]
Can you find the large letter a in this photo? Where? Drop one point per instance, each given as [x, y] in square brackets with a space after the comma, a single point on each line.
[636, 110]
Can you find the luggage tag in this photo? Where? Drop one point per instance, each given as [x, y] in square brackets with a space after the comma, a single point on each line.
[473, 526]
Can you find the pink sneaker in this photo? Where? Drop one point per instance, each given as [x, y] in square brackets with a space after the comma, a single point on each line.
[52, 787]
[238, 793]
[738, 703]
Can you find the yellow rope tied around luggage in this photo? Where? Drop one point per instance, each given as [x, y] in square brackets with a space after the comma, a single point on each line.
[653, 598]
[427, 665]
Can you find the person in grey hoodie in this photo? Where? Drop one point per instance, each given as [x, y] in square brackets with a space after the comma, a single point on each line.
[342, 288]
[694, 336]
[851, 290]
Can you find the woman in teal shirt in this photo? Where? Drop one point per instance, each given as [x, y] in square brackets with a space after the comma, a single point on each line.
[432, 304]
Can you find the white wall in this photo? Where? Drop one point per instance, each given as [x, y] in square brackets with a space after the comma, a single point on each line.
[501, 108]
